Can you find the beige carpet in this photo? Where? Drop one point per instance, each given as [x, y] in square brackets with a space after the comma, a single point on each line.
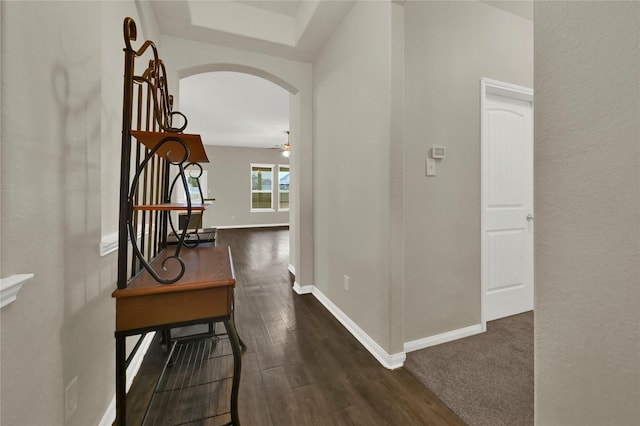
[486, 379]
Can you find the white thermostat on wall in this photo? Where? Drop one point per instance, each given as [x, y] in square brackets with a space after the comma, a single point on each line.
[437, 152]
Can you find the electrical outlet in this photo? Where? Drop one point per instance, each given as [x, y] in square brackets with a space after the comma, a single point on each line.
[71, 399]
[346, 283]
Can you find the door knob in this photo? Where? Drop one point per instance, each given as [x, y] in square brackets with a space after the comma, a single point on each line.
[529, 217]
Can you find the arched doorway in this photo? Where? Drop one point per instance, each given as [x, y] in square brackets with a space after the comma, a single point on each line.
[244, 123]
[300, 160]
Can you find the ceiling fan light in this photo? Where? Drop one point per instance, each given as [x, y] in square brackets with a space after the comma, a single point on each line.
[286, 148]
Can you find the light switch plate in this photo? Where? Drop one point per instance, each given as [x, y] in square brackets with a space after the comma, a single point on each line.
[431, 167]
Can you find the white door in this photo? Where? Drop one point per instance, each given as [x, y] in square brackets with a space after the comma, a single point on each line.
[507, 200]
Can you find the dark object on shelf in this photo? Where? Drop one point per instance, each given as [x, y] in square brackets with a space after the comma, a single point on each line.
[206, 235]
[195, 222]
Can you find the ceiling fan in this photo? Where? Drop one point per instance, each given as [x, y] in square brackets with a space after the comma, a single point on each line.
[285, 148]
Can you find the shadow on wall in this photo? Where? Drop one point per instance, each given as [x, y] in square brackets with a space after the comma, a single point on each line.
[86, 335]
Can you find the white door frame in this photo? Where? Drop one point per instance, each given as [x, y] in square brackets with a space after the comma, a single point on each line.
[495, 87]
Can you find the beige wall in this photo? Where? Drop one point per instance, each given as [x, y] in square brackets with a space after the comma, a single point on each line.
[50, 144]
[56, 121]
[449, 47]
[351, 81]
[396, 162]
[587, 196]
[228, 179]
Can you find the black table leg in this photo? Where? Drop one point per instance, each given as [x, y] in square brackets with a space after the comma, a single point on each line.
[233, 320]
[242, 344]
[121, 381]
[237, 368]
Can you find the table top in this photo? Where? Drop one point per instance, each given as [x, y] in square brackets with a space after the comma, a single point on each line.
[206, 266]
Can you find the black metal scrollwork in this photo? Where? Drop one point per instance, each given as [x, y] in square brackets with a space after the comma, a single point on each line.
[147, 101]
[134, 187]
[156, 71]
[193, 238]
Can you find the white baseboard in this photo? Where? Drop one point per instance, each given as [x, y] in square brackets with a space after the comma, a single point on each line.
[438, 339]
[108, 243]
[292, 269]
[390, 361]
[266, 225]
[302, 289]
[110, 415]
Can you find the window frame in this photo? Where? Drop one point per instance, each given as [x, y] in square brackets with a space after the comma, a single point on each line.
[288, 191]
[182, 197]
[260, 165]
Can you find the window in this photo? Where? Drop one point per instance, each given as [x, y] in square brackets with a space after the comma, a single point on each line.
[283, 187]
[262, 187]
[192, 184]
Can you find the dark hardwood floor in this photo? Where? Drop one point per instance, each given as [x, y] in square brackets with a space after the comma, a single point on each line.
[301, 366]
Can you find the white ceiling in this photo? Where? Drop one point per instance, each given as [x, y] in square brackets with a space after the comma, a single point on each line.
[289, 7]
[291, 29]
[237, 109]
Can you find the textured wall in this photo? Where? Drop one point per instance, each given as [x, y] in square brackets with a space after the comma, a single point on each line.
[450, 46]
[61, 326]
[587, 198]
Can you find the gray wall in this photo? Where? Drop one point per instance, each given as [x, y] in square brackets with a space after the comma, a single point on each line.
[587, 195]
[351, 81]
[229, 182]
[54, 120]
[449, 47]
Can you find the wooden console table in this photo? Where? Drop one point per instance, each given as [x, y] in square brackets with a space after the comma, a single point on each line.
[204, 294]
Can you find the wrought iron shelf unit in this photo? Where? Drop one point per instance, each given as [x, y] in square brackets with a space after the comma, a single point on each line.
[162, 286]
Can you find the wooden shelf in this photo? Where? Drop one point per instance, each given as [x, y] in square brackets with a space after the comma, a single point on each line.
[196, 207]
[204, 291]
[197, 153]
